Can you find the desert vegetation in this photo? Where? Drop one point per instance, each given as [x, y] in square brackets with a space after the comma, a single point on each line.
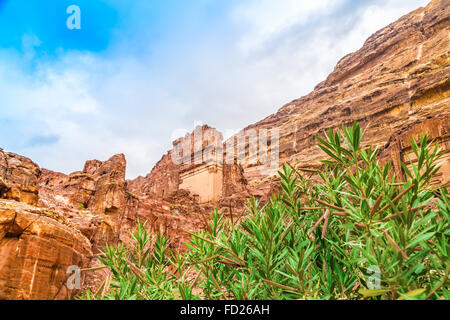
[355, 231]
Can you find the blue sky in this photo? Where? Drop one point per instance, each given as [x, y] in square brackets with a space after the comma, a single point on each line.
[141, 72]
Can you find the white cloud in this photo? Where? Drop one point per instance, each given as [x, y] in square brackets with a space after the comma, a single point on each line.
[267, 19]
[29, 43]
[375, 17]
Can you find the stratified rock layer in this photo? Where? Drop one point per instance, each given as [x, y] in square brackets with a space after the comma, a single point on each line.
[99, 201]
[37, 247]
[398, 79]
[398, 149]
[18, 178]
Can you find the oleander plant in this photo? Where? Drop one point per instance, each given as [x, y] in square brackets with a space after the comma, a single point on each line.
[357, 231]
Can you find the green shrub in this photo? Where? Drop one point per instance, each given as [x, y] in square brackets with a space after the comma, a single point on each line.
[359, 233]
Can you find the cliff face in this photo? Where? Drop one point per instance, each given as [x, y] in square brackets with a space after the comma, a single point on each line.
[99, 201]
[197, 162]
[37, 246]
[398, 79]
[397, 86]
[18, 178]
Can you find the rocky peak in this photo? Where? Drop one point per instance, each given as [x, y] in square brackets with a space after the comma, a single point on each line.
[18, 178]
[114, 168]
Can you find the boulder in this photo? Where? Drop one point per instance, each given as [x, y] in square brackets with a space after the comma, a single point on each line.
[18, 178]
[37, 247]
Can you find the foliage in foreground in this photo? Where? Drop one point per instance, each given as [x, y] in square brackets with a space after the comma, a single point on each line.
[358, 234]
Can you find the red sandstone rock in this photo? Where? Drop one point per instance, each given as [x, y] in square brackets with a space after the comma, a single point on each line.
[36, 248]
[161, 182]
[18, 178]
[99, 202]
[399, 149]
[197, 163]
[399, 78]
[94, 199]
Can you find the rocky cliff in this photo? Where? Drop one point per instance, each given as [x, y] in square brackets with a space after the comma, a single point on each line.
[398, 79]
[18, 178]
[99, 201]
[37, 245]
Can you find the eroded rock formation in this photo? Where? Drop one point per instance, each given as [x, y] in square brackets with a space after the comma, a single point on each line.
[37, 247]
[98, 201]
[398, 79]
[196, 163]
[18, 178]
[398, 149]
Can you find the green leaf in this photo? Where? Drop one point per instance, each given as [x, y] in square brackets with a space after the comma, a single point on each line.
[373, 292]
[420, 238]
[411, 295]
[347, 226]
